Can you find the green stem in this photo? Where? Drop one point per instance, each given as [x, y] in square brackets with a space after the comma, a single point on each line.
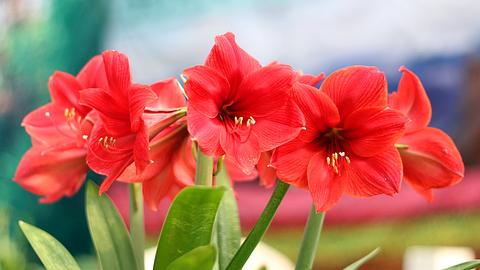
[227, 228]
[311, 236]
[204, 172]
[137, 228]
[260, 227]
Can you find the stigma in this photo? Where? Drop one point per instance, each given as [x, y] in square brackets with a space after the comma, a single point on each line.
[107, 142]
[334, 160]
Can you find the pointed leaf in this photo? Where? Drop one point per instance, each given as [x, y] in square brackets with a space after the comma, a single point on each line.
[189, 223]
[200, 258]
[363, 260]
[109, 233]
[465, 266]
[51, 252]
[228, 223]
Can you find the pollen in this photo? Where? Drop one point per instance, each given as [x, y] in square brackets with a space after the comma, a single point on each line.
[70, 113]
[251, 121]
[334, 160]
[239, 121]
[107, 142]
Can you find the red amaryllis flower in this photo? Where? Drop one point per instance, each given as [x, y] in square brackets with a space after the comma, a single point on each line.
[121, 136]
[173, 165]
[348, 144]
[430, 157]
[55, 166]
[238, 108]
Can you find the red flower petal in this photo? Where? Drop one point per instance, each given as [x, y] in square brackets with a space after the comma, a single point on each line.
[431, 160]
[52, 173]
[427, 193]
[117, 70]
[379, 174]
[244, 153]
[279, 127]
[291, 161]
[158, 187]
[169, 95]
[65, 92]
[93, 74]
[319, 110]
[324, 188]
[369, 131]
[311, 80]
[206, 131]
[138, 97]
[229, 59]
[109, 159]
[264, 91]
[103, 102]
[140, 149]
[356, 87]
[115, 117]
[206, 89]
[47, 125]
[266, 172]
[412, 100]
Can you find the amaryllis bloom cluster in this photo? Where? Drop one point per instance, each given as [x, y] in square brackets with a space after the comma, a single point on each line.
[269, 121]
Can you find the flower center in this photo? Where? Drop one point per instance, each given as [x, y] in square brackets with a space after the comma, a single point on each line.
[333, 144]
[334, 160]
[238, 126]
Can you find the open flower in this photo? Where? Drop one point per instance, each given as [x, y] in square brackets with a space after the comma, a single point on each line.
[348, 144]
[120, 137]
[238, 108]
[430, 157]
[173, 164]
[55, 165]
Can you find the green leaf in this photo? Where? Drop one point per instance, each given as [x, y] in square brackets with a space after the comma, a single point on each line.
[227, 224]
[52, 253]
[363, 260]
[109, 233]
[465, 266]
[200, 258]
[189, 223]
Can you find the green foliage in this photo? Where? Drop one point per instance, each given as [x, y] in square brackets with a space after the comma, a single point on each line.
[465, 266]
[109, 233]
[200, 258]
[52, 253]
[362, 261]
[189, 223]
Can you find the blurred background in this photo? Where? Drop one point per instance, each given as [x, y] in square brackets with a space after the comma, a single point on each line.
[439, 40]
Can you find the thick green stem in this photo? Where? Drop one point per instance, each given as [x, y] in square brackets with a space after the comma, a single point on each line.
[311, 236]
[137, 228]
[260, 227]
[204, 172]
[227, 228]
